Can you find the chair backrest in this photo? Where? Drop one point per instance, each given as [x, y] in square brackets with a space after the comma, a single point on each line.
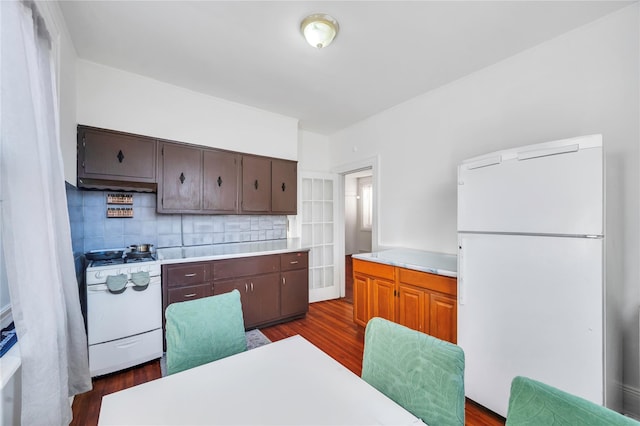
[423, 374]
[535, 403]
[204, 330]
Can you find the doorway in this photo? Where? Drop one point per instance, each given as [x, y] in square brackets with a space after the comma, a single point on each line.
[358, 221]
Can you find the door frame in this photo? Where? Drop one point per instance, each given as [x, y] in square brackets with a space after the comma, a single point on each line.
[372, 163]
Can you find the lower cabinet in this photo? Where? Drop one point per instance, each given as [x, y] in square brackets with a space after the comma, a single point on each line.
[419, 300]
[186, 281]
[361, 311]
[273, 288]
[182, 294]
[259, 295]
[294, 284]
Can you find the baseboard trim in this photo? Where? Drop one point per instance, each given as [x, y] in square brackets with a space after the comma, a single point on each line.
[631, 401]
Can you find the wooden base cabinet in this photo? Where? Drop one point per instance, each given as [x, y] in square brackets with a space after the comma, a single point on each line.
[257, 280]
[294, 284]
[413, 307]
[373, 291]
[273, 288]
[259, 295]
[419, 300]
[443, 317]
[361, 312]
[186, 281]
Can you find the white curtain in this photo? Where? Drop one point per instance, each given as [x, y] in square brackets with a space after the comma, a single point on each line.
[36, 235]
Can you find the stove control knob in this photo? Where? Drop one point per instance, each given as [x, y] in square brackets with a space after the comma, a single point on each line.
[98, 274]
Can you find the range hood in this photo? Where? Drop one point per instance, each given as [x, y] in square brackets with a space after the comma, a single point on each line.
[116, 185]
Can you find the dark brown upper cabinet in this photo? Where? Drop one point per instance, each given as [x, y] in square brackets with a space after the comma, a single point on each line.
[194, 179]
[180, 183]
[284, 187]
[269, 185]
[256, 184]
[187, 178]
[220, 181]
[114, 160]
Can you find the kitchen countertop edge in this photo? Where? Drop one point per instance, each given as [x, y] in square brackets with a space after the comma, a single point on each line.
[173, 255]
[419, 260]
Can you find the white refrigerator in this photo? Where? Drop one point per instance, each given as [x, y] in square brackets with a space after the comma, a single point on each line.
[531, 269]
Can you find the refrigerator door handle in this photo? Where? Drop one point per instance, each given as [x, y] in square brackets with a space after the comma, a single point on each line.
[461, 286]
[537, 153]
[485, 162]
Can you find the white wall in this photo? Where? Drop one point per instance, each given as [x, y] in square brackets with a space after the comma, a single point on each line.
[313, 152]
[119, 100]
[586, 81]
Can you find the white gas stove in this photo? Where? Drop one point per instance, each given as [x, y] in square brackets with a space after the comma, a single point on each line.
[124, 313]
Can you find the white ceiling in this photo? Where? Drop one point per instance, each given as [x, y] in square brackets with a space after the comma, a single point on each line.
[252, 52]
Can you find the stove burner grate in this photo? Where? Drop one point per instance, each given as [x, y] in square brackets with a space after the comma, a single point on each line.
[123, 260]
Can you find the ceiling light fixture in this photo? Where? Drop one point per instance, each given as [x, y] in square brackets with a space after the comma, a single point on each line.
[319, 29]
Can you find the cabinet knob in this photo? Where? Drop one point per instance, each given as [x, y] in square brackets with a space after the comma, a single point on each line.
[283, 186]
[255, 184]
[190, 275]
[182, 178]
[189, 295]
[284, 281]
[120, 156]
[219, 181]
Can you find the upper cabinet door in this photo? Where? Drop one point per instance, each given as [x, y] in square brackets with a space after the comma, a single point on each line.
[105, 154]
[220, 181]
[256, 184]
[180, 186]
[284, 186]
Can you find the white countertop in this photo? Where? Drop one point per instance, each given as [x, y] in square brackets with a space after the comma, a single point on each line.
[227, 251]
[419, 260]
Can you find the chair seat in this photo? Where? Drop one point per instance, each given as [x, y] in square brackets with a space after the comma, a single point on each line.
[204, 330]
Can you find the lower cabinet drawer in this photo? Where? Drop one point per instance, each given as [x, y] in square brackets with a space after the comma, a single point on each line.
[123, 353]
[244, 267]
[291, 261]
[187, 274]
[182, 294]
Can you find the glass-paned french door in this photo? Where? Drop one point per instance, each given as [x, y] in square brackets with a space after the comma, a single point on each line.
[318, 231]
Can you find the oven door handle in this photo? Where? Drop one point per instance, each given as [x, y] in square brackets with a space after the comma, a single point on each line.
[103, 287]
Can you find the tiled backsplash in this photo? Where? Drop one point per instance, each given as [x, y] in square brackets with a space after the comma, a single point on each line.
[92, 230]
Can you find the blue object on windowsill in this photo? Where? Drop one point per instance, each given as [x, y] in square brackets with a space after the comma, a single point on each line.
[9, 338]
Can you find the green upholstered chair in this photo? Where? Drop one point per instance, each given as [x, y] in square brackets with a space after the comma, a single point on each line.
[423, 374]
[535, 403]
[204, 330]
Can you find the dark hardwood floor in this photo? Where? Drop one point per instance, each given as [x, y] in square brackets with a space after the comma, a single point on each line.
[328, 325]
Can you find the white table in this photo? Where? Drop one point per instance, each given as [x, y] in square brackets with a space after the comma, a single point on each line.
[289, 382]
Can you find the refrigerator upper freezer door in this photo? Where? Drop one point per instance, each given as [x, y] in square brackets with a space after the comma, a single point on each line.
[552, 188]
[530, 306]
